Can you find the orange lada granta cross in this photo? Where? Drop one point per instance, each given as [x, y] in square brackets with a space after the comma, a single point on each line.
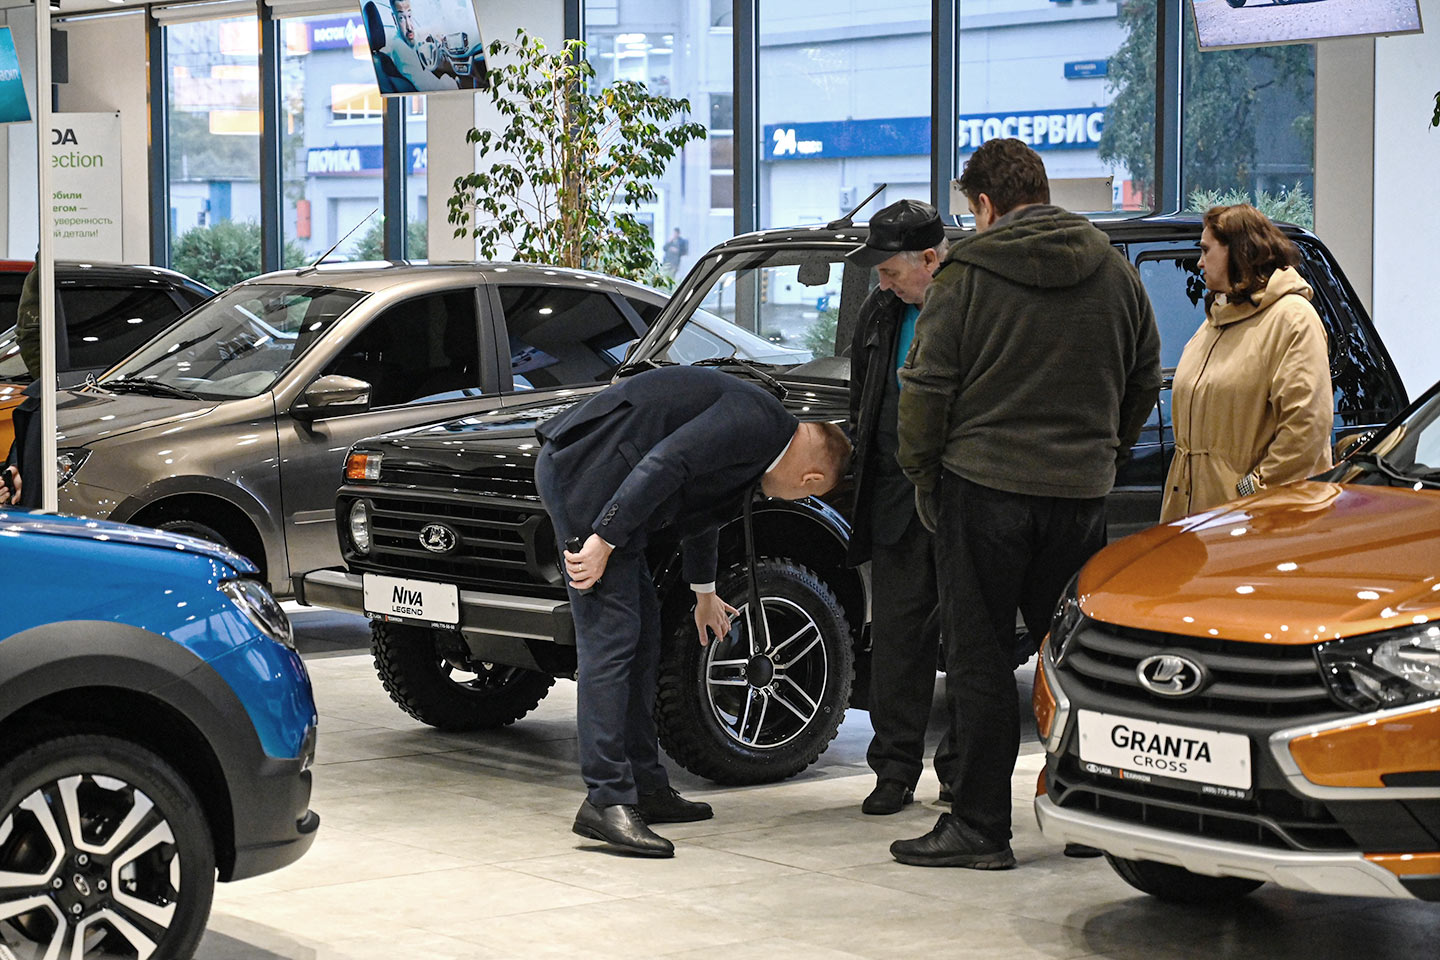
[1252, 694]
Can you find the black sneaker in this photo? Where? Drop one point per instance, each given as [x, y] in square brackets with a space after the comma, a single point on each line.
[667, 806]
[889, 796]
[952, 844]
[946, 797]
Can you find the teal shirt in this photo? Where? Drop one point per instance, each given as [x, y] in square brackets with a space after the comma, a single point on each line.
[907, 335]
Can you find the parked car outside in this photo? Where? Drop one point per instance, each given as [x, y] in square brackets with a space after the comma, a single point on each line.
[1252, 693]
[109, 309]
[156, 729]
[234, 425]
[490, 627]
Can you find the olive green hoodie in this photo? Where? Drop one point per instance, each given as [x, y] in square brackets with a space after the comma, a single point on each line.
[1036, 360]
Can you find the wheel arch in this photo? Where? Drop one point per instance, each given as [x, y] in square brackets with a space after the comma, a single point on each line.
[234, 520]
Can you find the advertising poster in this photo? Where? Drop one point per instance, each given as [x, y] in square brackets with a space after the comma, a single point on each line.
[13, 106]
[424, 46]
[85, 185]
[1222, 24]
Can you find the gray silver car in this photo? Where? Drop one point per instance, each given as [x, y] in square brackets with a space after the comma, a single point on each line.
[234, 424]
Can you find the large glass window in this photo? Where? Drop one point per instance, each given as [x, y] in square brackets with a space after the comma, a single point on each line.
[679, 48]
[416, 166]
[844, 106]
[420, 351]
[1074, 81]
[214, 128]
[332, 155]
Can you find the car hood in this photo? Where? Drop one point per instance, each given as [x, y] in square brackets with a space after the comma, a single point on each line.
[103, 531]
[1308, 562]
[84, 416]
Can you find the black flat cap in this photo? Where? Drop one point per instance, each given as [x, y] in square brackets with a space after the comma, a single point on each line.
[904, 225]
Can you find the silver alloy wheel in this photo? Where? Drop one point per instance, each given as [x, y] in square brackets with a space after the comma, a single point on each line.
[88, 868]
[765, 700]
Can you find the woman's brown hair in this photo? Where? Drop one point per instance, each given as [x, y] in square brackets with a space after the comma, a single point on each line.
[1257, 247]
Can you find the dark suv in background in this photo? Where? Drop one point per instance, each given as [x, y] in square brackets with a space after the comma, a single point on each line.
[473, 635]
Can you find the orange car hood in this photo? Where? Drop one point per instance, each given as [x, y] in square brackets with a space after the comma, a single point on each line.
[1307, 562]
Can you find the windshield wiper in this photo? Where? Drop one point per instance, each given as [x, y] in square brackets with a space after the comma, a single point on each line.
[1394, 473]
[152, 387]
[640, 366]
[746, 366]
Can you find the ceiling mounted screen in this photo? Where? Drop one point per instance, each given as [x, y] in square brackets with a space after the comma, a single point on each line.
[1222, 24]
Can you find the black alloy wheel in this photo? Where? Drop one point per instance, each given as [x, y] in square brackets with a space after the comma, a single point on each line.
[738, 713]
[104, 852]
[427, 674]
[196, 529]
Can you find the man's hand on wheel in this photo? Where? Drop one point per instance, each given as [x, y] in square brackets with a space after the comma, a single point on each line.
[588, 566]
[713, 614]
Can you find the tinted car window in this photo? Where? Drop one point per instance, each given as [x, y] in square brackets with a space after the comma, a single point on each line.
[104, 324]
[417, 351]
[1177, 292]
[559, 336]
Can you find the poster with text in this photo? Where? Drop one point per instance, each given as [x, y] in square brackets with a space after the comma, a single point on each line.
[85, 185]
[14, 108]
[424, 46]
[1222, 24]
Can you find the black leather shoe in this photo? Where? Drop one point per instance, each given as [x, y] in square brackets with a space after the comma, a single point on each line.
[889, 796]
[620, 826]
[946, 796]
[667, 806]
[953, 844]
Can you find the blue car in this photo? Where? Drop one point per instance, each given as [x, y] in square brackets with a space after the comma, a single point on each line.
[156, 730]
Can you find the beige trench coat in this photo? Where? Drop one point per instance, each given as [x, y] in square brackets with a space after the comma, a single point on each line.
[1252, 395]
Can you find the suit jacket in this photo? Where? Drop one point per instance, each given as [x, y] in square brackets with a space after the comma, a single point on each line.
[676, 448]
[873, 395]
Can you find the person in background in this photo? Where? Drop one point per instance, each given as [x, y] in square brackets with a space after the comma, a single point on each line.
[1252, 402]
[675, 248]
[1035, 364]
[905, 245]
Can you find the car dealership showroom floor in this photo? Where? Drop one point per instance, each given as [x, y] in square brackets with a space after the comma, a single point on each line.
[445, 845]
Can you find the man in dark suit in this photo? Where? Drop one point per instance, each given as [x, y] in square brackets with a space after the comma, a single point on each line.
[676, 449]
[905, 245]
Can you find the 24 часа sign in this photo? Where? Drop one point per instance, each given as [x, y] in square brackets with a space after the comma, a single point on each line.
[1071, 129]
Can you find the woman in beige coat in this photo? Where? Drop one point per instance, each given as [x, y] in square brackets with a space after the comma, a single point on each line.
[1252, 402]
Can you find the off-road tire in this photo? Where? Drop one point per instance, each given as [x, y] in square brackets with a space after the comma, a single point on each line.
[1240, 3]
[1178, 885]
[194, 528]
[694, 729]
[106, 779]
[419, 680]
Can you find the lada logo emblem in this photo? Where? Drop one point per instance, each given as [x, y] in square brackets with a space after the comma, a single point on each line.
[82, 886]
[438, 538]
[1169, 675]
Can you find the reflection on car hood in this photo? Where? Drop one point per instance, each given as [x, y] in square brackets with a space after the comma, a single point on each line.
[54, 525]
[84, 416]
[1307, 562]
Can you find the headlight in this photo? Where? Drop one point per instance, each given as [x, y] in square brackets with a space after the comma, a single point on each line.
[360, 526]
[261, 609]
[67, 461]
[1067, 621]
[1390, 669]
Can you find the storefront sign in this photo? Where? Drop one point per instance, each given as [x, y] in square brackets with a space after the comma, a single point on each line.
[85, 184]
[1077, 129]
[367, 160]
[336, 33]
[1081, 69]
[14, 108]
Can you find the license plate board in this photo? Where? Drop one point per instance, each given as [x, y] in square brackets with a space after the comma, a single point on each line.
[1213, 762]
[422, 601]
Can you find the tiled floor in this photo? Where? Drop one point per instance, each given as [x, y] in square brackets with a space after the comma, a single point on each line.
[449, 846]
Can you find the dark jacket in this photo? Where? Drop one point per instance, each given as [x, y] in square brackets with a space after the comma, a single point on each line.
[1036, 361]
[677, 448]
[27, 325]
[872, 371]
[25, 451]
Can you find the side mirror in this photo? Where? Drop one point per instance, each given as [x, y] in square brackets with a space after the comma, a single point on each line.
[332, 396]
[1349, 443]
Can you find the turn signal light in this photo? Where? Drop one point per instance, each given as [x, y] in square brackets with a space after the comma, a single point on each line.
[1041, 788]
[1043, 702]
[363, 466]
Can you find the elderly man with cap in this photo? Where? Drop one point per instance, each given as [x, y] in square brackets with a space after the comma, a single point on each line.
[906, 244]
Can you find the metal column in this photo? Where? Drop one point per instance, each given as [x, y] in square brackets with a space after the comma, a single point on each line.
[1169, 104]
[746, 20]
[393, 192]
[944, 95]
[272, 192]
[159, 143]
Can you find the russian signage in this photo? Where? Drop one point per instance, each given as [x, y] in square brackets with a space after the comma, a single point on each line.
[1073, 129]
[365, 160]
[1081, 69]
[86, 185]
[14, 108]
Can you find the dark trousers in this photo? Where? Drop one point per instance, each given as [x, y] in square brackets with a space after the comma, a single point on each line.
[905, 648]
[617, 639]
[999, 552]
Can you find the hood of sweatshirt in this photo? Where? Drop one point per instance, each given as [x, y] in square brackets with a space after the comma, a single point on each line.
[1283, 282]
[1038, 246]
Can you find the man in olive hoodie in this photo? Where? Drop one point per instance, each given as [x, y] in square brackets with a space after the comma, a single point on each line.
[1035, 363]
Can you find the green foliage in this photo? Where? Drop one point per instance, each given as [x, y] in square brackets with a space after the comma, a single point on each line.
[1435, 120]
[1292, 205]
[1222, 91]
[567, 162]
[371, 245]
[819, 337]
[225, 253]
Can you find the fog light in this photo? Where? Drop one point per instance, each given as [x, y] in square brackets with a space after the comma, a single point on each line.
[360, 526]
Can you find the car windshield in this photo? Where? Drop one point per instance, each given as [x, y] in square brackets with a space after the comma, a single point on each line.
[236, 345]
[779, 308]
[1407, 455]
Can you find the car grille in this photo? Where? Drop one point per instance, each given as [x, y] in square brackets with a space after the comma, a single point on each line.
[1247, 679]
[504, 544]
[509, 482]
